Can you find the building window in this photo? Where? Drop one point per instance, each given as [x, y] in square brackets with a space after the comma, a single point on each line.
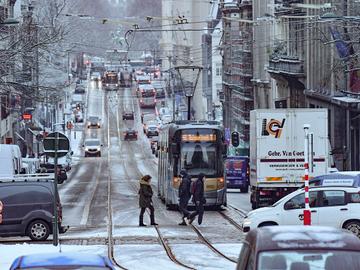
[218, 70]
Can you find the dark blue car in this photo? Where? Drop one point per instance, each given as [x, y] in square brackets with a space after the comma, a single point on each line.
[49, 261]
[349, 178]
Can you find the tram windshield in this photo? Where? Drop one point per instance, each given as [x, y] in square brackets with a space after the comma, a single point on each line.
[199, 158]
[111, 78]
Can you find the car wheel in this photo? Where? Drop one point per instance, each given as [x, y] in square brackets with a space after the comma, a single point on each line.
[38, 230]
[354, 227]
[99, 155]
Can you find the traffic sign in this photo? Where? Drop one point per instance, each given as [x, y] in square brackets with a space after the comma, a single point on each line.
[63, 144]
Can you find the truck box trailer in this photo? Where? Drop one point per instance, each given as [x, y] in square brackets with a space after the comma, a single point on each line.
[277, 151]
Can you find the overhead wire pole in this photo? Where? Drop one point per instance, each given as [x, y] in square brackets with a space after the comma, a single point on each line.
[55, 221]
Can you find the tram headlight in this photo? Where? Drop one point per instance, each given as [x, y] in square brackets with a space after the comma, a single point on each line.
[220, 182]
[176, 182]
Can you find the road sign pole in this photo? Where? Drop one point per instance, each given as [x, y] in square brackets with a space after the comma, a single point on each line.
[307, 212]
[55, 221]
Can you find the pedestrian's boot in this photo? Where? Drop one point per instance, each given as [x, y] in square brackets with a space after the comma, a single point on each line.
[152, 219]
[183, 223]
[141, 221]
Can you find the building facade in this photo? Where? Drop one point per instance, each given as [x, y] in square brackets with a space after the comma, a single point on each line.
[237, 67]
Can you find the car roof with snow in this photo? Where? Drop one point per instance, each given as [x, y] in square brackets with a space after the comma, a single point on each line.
[301, 237]
[61, 259]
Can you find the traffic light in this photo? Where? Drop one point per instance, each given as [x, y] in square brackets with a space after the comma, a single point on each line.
[78, 107]
[235, 138]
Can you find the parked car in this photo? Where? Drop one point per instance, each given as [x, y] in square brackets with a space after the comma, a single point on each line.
[130, 134]
[49, 168]
[79, 117]
[299, 247]
[337, 207]
[166, 118]
[146, 90]
[52, 261]
[93, 121]
[29, 208]
[128, 114]
[159, 88]
[92, 147]
[65, 162]
[33, 165]
[147, 117]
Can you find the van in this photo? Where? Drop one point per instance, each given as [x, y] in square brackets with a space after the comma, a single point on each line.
[10, 160]
[32, 165]
[28, 208]
[237, 173]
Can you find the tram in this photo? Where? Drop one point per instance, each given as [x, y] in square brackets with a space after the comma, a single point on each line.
[198, 147]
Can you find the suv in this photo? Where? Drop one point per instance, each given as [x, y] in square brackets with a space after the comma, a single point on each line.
[29, 208]
[152, 129]
[92, 147]
[130, 134]
[330, 206]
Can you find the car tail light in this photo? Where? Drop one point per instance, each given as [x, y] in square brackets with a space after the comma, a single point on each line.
[141, 101]
[124, 133]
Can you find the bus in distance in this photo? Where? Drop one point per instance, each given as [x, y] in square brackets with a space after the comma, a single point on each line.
[111, 80]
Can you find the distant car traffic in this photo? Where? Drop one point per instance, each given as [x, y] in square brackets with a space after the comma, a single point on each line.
[92, 147]
[166, 118]
[93, 121]
[152, 129]
[79, 117]
[159, 88]
[299, 248]
[130, 134]
[153, 144]
[52, 261]
[147, 102]
[337, 207]
[95, 76]
[79, 89]
[128, 114]
[146, 90]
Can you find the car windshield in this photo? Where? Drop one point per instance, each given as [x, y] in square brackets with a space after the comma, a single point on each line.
[68, 268]
[93, 119]
[309, 259]
[198, 158]
[92, 143]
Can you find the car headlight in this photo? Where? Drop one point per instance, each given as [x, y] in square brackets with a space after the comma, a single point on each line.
[247, 222]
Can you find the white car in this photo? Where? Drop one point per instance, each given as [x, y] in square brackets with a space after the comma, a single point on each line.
[92, 147]
[330, 206]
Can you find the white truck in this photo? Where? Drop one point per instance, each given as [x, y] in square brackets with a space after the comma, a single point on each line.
[277, 151]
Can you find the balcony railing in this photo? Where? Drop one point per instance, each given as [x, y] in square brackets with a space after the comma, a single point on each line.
[286, 65]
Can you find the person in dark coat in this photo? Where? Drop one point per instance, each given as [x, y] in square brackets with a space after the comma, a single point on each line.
[145, 200]
[198, 199]
[184, 195]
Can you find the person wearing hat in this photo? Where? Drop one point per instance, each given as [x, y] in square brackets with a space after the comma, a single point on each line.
[184, 195]
[145, 200]
[198, 199]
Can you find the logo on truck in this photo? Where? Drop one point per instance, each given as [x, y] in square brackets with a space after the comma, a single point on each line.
[273, 127]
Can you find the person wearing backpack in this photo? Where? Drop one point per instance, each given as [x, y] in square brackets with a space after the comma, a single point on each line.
[184, 196]
[198, 198]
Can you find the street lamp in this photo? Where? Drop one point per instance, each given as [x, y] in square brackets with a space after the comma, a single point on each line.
[186, 75]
